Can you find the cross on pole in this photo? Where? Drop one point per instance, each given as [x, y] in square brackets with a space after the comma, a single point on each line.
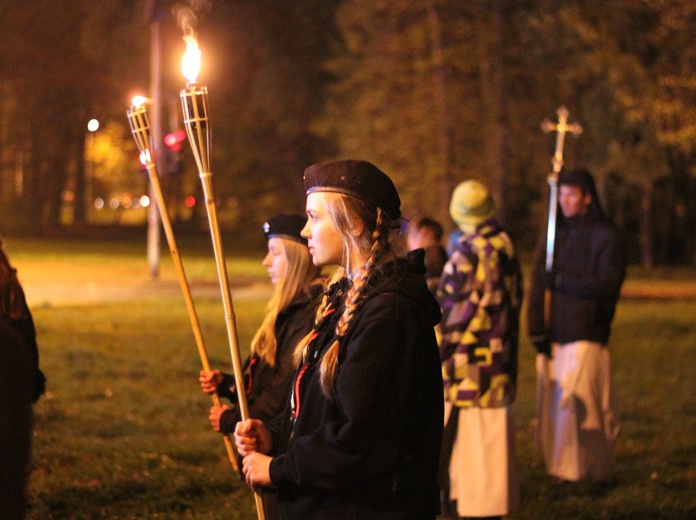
[561, 128]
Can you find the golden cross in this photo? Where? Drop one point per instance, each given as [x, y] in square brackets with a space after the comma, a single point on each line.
[562, 127]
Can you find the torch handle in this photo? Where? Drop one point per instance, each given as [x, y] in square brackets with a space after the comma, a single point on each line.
[186, 290]
[207, 182]
[230, 321]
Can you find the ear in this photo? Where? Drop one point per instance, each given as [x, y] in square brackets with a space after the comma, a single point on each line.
[587, 200]
[358, 228]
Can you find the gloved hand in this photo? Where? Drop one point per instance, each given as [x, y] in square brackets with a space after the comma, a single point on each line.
[543, 346]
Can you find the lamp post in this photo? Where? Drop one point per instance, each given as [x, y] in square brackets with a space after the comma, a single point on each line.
[92, 126]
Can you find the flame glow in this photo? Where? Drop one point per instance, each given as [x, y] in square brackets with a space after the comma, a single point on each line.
[191, 63]
[145, 157]
[138, 101]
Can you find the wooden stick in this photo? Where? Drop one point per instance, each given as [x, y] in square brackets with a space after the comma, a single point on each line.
[195, 324]
[206, 179]
[194, 103]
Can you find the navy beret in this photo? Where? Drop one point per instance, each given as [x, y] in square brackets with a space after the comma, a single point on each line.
[285, 226]
[359, 179]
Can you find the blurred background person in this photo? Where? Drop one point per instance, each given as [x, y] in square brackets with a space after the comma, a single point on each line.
[577, 421]
[21, 383]
[480, 294]
[426, 233]
[15, 312]
[17, 392]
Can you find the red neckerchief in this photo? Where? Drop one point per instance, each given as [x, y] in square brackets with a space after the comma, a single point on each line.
[252, 361]
[309, 360]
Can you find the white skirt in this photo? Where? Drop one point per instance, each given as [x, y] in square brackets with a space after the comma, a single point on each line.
[577, 422]
[482, 471]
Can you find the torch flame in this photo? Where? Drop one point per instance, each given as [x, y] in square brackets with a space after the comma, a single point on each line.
[138, 101]
[191, 63]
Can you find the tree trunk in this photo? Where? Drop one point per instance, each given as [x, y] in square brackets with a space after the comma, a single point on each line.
[492, 88]
[646, 242]
[81, 196]
[446, 182]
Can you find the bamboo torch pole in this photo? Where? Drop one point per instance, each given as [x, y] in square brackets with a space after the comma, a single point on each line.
[194, 103]
[140, 127]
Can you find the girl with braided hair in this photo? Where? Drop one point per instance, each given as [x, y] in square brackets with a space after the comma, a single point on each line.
[360, 435]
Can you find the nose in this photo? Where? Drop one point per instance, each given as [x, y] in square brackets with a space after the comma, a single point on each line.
[305, 230]
[267, 262]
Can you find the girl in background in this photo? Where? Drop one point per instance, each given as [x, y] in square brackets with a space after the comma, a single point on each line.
[268, 371]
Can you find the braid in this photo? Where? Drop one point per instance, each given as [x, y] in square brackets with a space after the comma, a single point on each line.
[299, 353]
[354, 297]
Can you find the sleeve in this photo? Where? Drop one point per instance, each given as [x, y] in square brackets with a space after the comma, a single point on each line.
[604, 282]
[372, 402]
[227, 387]
[459, 293]
[271, 399]
[27, 329]
[536, 324]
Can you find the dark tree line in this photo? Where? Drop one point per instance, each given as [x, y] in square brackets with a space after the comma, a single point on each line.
[433, 91]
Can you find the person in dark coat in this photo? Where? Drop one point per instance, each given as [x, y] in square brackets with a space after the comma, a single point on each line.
[21, 383]
[426, 233]
[268, 371]
[290, 313]
[17, 393]
[577, 420]
[15, 312]
[361, 435]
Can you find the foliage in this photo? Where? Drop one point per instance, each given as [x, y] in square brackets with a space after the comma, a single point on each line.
[433, 91]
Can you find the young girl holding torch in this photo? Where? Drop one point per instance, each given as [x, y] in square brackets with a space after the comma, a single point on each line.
[269, 369]
[360, 437]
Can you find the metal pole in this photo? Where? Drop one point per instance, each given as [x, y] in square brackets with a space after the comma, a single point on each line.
[153, 228]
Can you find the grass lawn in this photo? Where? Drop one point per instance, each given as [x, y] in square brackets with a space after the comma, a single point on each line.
[123, 431]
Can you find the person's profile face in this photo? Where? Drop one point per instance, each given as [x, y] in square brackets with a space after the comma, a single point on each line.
[324, 241]
[276, 260]
[413, 239]
[573, 201]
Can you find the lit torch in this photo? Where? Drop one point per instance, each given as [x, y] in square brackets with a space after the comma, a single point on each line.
[140, 127]
[194, 103]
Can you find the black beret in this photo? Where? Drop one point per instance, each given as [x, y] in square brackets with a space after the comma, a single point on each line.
[285, 226]
[359, 179]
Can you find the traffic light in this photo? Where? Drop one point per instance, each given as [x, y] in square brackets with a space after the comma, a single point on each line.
[171, 160]
[173, 140]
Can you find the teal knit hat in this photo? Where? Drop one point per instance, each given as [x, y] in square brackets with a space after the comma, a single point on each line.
[471, 203]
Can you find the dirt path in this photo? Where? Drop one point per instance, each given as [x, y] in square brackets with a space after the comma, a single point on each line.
[60, 285]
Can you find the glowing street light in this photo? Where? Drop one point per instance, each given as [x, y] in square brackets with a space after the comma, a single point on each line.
[92, 126]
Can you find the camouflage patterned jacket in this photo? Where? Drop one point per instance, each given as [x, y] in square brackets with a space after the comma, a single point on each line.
[480, 294]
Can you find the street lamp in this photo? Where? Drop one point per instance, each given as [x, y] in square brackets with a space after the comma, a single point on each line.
[92, 126]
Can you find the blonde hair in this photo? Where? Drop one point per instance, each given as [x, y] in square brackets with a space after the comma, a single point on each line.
[299, 274]
[376, 242]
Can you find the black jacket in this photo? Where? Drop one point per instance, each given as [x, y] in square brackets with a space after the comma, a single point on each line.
[588, 270]
[268, 386]
[371, 451]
